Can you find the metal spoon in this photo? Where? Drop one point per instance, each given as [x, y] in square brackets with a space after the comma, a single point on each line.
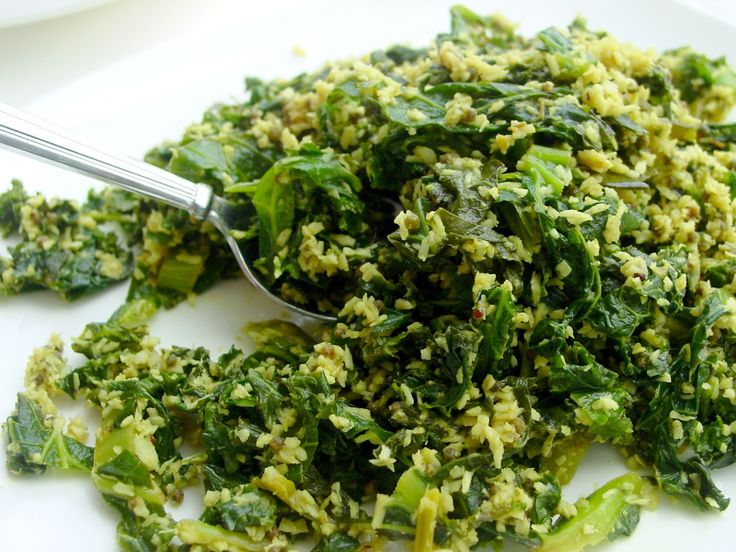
[26, 134]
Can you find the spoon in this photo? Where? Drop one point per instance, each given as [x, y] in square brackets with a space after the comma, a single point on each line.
[26, 134]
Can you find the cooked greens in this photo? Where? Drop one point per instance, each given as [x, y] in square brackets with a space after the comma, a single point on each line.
[63, 247]
[529, 246]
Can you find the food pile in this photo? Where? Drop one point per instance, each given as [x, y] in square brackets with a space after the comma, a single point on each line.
[529, 244]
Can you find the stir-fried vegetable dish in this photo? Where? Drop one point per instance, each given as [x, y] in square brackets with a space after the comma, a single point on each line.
[529, 245]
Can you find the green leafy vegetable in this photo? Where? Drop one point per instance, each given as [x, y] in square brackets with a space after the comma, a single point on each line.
[606, 514]
[528, 246]
[34, 447]
[61, 247]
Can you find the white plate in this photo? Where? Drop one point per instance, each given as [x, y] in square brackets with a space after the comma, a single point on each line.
[150, 95]
[19, 12]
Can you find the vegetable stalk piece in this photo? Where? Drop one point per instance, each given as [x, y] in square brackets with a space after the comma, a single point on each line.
[180, 273]
[212, 537]
[565, 456]
[395, 514]
[301, 501]
[610, 512]
[549, 163]
[427, 521]
[123, 462]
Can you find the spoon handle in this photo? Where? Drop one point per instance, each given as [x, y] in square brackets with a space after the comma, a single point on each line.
[26, 134]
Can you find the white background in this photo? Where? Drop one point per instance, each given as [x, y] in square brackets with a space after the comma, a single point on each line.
[131, 73]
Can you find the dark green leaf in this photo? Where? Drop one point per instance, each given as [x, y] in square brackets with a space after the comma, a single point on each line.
[35, 447]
